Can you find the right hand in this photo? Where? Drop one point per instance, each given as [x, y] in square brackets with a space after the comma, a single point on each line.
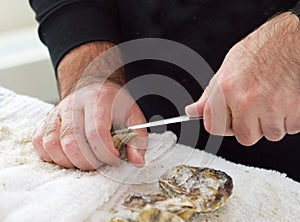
[76, 133]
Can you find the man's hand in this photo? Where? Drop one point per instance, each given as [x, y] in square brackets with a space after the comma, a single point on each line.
[76, 133]
[256, 92]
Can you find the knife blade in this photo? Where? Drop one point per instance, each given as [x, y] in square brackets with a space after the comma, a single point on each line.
[177, 119]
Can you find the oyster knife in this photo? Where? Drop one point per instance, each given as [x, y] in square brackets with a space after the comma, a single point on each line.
[164, 122]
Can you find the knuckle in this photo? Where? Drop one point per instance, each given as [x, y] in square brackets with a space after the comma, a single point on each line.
[243, 104]
[293, 128]
[69, 101]
[271, 104]
[273, 133]
[69, 145]
[226, 86]
[246, 101]
[37, 140]
[243, 135]
[51, 144]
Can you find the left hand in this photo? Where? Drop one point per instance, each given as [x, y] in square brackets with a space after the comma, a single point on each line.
[256, 91]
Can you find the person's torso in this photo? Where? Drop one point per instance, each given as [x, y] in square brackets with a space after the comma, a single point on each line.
[211, 28]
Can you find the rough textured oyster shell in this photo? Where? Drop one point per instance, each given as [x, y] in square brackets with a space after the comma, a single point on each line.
[179, 206]
[137, 202]
[157, 215]
[182, 207]
[207, 188]
[119, 219]
[121, 137]
[186, 190]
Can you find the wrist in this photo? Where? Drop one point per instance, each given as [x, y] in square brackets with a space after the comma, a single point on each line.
[273, 48]
[72, 70]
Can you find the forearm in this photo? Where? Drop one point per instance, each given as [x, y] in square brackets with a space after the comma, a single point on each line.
[72, 67]
[278, 40]
[258, 85]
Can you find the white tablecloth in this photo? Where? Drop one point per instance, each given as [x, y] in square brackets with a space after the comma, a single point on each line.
[32, 190]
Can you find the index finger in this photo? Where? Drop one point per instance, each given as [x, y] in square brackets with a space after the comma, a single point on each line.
[97, 117]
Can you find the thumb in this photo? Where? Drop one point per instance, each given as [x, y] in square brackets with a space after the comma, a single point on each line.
[137, 146]
[196, 109]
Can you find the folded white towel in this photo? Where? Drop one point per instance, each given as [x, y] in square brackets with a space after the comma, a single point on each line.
[31, 190]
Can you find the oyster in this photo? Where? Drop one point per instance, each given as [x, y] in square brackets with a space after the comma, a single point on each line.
[186, 191]
[179, 206]
[138, 201]
[182, 207]
[207, 188]
[119, 219]
[121, 137]
[151, 215]
[157, 215]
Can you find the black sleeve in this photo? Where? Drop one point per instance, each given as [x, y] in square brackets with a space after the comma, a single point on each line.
[296, 9]
[66, 24]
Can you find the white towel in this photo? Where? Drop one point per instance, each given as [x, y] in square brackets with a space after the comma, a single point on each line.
[32, 190]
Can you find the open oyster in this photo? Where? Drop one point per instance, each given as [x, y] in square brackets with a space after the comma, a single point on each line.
[137, 202]
[157, 215]
[207, 188]
[151, 215]
[119, 219]
[121, 137]
[179, 206]
[186, 190]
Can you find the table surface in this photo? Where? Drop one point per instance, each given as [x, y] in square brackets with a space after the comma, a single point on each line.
[32, 190]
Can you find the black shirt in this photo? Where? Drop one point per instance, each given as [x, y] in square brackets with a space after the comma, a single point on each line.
[210, 27]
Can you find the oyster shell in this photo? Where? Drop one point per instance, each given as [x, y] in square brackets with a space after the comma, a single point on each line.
[137, 202]
[119, 219]
[157, 215]
[186, 190]
[182, 207]
[121, 137]
[207, 188]
[151, 215]
[179, 206]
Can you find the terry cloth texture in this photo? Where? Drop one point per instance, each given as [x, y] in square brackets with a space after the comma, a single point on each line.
[32, 190]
